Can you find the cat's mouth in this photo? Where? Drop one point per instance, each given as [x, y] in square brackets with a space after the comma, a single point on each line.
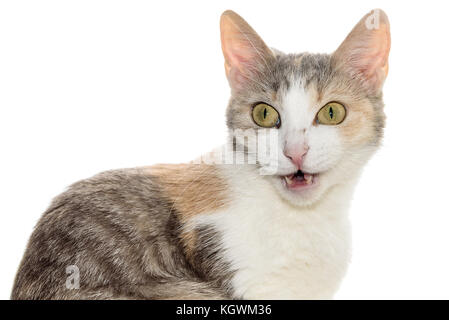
[299, 180]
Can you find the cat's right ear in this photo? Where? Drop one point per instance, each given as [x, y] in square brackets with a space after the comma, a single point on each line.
[244, 51]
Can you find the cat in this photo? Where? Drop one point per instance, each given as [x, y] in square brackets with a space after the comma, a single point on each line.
[273, 226]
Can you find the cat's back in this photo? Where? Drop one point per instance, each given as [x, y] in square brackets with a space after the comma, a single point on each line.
[115, 229]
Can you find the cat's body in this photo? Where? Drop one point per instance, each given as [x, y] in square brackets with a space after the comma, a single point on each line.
[288, 252]
[217, 231]
[125, 237]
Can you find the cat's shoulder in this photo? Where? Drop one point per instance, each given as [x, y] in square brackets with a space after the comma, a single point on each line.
[120, 192]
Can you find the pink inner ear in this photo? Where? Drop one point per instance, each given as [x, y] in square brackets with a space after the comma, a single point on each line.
[236, 57]
[365, 52]
[244, 51]
[236, 79]
[235, 68]
[376, 59]
[235, 50]
[242, 63]
[239, 54]
[371, 64]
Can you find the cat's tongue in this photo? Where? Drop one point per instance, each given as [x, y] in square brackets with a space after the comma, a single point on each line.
[298, 179]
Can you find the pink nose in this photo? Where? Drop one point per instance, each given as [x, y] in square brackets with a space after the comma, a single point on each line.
[296, 155]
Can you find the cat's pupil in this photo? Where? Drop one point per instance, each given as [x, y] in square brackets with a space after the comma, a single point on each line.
[265, 113]
[331, 112]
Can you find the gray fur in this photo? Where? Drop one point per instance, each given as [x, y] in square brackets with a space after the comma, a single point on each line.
[311, 69]
[123, 235]
[123, 232]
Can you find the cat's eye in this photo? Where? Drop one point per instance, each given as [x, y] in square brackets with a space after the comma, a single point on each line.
[266, 116]
[331, 114]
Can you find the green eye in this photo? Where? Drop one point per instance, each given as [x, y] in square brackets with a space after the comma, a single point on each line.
[331, 114]
[266, 116]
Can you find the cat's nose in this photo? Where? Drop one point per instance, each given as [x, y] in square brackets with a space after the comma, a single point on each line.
[296, 155]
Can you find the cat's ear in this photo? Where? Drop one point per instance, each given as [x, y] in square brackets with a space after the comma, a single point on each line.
[364, 52]
[244, 51]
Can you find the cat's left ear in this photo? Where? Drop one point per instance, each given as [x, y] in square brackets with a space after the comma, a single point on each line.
[364, 52]
[245, 53]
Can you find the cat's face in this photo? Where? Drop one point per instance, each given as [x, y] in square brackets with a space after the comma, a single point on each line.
[327, 110]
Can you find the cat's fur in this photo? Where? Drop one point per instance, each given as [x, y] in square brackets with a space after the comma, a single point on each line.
[217, 231]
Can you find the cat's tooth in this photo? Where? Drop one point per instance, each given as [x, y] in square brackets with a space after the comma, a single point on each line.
[288, 180]
[308, 178]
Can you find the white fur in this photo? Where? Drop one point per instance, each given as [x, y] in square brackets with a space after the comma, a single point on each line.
[280, 251]
[283, 244]
[298, 112]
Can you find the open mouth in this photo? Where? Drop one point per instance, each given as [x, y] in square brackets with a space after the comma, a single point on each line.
[299, 180]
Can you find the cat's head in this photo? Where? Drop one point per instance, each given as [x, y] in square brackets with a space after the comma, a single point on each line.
[327, 110]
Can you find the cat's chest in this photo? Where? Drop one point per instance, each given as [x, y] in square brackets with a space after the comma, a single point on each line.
[281, 253]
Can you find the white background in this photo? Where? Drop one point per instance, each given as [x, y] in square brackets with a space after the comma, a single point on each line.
[87, 86]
